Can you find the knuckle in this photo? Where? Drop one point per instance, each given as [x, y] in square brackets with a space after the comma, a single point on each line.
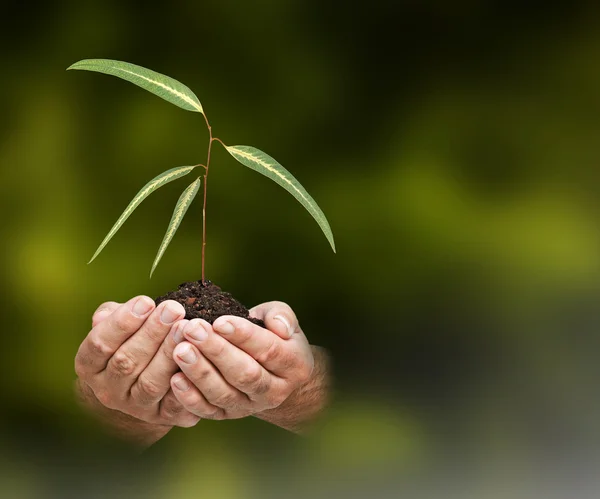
[252, 380]
[216, 414]
[249, 376]
[225, 400]
[276, 399]
[166, 414]
[193, 403]
[219, 348]
[78, 367]
[81, 361]
[147, 388]
[122, 363]
[243, 330]
[166, 350]
[289, 361]
[154, 327]
[107, 305]
[197, 405]
[156, 333]
[188, 420]
[98, 347]
[271, 354]
[305, 372]
[170, 408]
[203, 373]
[105, 398]
[125, 322]
[172, 411]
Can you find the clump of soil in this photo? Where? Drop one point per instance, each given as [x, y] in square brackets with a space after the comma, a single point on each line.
[207, 301]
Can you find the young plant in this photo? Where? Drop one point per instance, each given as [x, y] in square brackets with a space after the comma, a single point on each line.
[176, 93]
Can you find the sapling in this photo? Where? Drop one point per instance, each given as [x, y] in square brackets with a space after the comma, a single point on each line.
[176, 93]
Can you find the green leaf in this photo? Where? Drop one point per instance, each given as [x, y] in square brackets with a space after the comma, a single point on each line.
[163, 86]
[181, 207]
[149, 188]
[263, 163]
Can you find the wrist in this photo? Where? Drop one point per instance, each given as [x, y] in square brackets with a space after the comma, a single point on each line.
[307, 401]
[135, 431]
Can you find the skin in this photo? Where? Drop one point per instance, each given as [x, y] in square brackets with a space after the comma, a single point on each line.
[144, 369]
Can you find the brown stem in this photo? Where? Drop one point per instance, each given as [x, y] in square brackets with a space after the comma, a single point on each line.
[220, 141]
[210, 141]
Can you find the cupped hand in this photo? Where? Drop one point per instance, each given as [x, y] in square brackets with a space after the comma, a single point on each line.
[126, 360]
[235, 368]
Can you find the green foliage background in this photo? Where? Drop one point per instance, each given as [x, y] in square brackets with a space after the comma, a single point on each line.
[453, 146]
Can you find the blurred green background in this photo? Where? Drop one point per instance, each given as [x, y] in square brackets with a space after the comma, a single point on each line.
[453, 146]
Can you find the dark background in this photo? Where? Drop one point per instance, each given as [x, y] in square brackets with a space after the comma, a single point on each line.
[453, 146]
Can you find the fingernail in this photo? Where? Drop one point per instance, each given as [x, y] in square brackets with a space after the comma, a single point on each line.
[225, 327]
[182, 384]
[142, 306]
[197, 333]
[187, 354]
[170, 313]
[178, 333]
[285, 322]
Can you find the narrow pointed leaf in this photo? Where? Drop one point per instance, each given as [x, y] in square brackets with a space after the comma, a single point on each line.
[149, 188]
[164, 86]
[263, 163]
[181, 208]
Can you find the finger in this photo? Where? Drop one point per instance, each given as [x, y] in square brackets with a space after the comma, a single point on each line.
[238, 368]
[104, 311]
[155, 380]
[278, 317]
[281, 357]
[173, 412]
[207, 379]
[193, 400]
[134, 355]
[106, 338]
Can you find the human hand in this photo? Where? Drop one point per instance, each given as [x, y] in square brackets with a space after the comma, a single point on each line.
[125, 364]
[235, 368]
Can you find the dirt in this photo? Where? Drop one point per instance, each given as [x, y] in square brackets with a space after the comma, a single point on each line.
[207, 301]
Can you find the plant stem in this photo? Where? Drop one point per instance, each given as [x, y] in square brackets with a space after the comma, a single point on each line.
[220, 141]
[210, 141]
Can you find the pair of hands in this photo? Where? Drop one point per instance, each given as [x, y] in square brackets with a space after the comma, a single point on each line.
[145, 369]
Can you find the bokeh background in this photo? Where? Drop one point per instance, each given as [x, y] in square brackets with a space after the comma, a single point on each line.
[454, 147]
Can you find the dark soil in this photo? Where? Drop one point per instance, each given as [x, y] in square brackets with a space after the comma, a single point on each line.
[207, 301]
